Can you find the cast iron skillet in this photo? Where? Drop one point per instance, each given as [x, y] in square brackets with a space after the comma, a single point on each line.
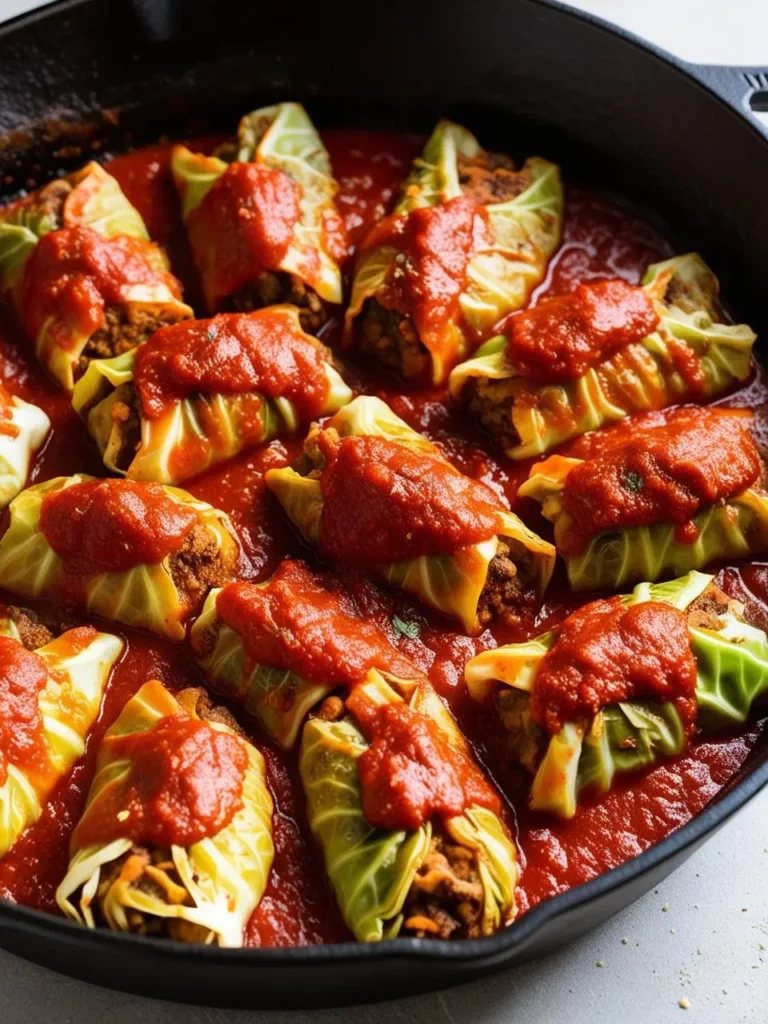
[677, 137]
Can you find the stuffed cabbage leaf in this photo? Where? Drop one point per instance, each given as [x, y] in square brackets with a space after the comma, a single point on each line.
[692, 354]
[199, 884]
[78, 266]
[136, 553]
[50, 698]
[280, 647]
[504, 569]
[451, 876]
[613, 524]
[23, 428]
[469, 239]
[200, 392]
[261, 219]
[731, 662]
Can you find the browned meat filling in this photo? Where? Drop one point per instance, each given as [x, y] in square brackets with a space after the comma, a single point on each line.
[125, 417]
[50, 201]
[446, 898]
[526, 741]
[391, 339]
[36, 629]
[506, 588]
[491, 178]
[331, 710]
[270, 289]
[705, 611]
[119, 334]
[199, 565]
[491, 402]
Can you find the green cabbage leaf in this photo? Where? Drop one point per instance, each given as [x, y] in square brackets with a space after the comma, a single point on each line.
[222, 876]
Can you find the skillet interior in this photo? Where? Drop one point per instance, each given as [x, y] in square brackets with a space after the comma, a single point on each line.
[561, 84]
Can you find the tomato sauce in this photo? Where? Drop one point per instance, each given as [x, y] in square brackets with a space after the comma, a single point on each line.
[603, 238]
[665, 473]
[302, 624]
[232, 354]
[384, 502]
[606, 652]
[114, 525]
[410, 773]
[184, 784]
[22, 743]
[243, 226]
[562, 337]
[434, 245]
[75, 274]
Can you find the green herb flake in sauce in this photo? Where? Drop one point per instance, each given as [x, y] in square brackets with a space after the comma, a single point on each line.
[411, 630]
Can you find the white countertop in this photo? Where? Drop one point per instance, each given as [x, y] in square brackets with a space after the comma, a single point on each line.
[702, 936]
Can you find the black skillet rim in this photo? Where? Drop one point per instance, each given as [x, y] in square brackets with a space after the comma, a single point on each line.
[517, 935]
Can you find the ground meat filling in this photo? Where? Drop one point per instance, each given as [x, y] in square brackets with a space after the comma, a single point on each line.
[391, 339]
[491, 178]
[492, 402]
[126, 425]
[153, 871]
[199, 565]
[36, 629]
[446, 898]
[505, 588]
[50, 202]
[119, 334]
[272, 288]
[705, 611]
[527, 741]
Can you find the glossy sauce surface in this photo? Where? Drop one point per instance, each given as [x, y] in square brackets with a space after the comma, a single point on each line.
[562, 337]
[113, 525]
[246, 219]
[602, 238]
[184, 784]
[74, 274]
[384, 503]
[410, 773]
[22, 742]
[665, 473]
[300, 624]
[231, 354]
[606, 653]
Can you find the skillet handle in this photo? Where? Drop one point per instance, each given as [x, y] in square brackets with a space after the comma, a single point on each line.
[743, 88]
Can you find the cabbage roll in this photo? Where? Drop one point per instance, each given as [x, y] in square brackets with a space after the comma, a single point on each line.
[77, 264]
[23, 428]
[468, 241]
[623, 684]
[199, 392]
[260, 216]
[50, 696]
[176, 837]
[409, 827]
[664, 494]
[278, 648]
[138, 553]
[576, 362]
[371, 492]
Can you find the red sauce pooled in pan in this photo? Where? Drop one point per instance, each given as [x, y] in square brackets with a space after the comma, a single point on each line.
[601, 239]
